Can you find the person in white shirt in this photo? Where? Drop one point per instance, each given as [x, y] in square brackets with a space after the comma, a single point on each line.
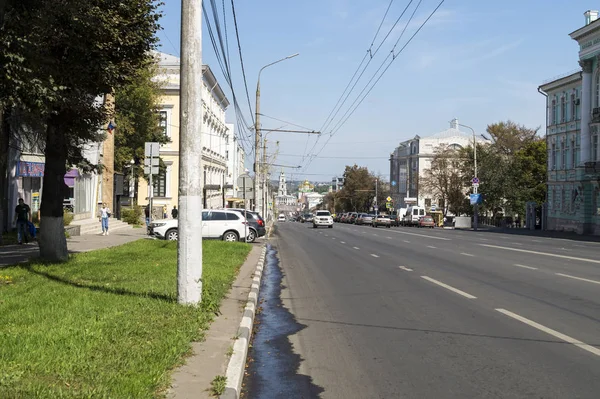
[104, 215]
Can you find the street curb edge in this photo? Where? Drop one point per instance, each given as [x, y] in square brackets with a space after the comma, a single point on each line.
[237, 362]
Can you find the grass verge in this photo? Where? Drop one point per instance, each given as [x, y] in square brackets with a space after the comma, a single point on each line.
[106, 324]
[218, 384]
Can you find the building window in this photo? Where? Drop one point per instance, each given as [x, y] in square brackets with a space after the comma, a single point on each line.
[595, 147]
[163, 122]
[563, 156]
[597, 93]
[553, 113]
[573, 106]
[160, 184]
[553, 157]
[563, 109]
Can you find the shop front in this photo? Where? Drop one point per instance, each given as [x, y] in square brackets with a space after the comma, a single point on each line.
[29, 183]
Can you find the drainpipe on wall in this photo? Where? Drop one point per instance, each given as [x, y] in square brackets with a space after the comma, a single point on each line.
[545, 206]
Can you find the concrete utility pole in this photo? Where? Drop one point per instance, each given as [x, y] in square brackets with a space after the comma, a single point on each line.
[189, 245]
[476, 206]
[257, 138]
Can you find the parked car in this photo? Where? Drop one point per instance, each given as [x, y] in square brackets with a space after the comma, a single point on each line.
[223, 225]
[381, 220]
[323, 218]
[352, 218]
[364, 218]
[308, 217]
[426, 221]
[256, 224]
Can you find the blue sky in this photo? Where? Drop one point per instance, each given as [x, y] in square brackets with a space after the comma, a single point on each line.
[479, 61]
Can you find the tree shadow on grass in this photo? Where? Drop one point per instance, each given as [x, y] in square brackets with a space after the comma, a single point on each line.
[99, 288]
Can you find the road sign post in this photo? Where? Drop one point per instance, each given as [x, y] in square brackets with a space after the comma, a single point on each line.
[151, 161]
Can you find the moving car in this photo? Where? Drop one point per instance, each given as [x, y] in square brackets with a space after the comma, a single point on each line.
[381, 220]
[281, 218]
[223, 225]
[323, 218]
[426, 221]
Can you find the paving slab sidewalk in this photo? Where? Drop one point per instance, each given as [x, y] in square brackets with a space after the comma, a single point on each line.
[210, 357]
[13, 254]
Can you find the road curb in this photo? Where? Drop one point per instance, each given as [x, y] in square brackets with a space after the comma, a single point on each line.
[237, 362]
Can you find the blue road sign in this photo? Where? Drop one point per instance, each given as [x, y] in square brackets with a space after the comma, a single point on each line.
[475, 199]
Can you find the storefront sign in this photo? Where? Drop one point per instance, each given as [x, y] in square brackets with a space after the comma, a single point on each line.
[30, 169]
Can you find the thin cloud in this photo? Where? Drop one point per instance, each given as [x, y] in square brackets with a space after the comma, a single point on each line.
[497, 52]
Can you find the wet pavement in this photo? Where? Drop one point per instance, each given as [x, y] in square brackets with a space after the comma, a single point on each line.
[272, 367]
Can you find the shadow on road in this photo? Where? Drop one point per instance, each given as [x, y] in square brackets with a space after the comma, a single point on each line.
[272, 367]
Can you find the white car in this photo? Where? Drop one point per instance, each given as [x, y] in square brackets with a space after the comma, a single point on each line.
[216, 224]
[323, 218]
[281, 218]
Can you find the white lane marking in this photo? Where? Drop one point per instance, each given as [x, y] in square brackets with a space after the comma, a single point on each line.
[456, 290]
[326, 235]
[342, 242]
[552, 332]
[374, 234]
[375, 256]
[422, 235]
[333, 238]
[431, 246]
[408, 242]
[536, 241]
[542, 253]
[466, 254]
[484, 239]
[525, 267]
[356, 247]
[405, 268]
[516, 243]
[578, 278]
[389, 238]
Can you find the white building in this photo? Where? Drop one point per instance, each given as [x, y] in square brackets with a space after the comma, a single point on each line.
[215, 139]
[282, 197]
[236, 159]
[412, 158]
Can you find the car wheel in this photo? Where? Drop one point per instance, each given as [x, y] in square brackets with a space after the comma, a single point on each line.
[389, 226]
[314, 226]
[172, 235]
[230, 236]
[331, 227]
[251, 236]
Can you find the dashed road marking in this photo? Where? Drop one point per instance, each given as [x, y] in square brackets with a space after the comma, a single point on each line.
[466, 254]
[342, 242]
[525, 267]
[375, 256]
[578, 278]
[405, 268]
[552, 332]
[431, 246]
[448, 287]
[356, 247]
[542, 253]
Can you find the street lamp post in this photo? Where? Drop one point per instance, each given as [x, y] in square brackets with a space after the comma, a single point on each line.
[257, 132]
[475, 206]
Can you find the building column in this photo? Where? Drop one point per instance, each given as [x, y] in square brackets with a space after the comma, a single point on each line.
[586, 109]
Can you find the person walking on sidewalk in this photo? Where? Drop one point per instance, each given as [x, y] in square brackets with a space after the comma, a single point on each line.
[104, 215]
[174, 212]
[22, 219]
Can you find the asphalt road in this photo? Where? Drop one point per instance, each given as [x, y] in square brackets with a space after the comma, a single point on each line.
[421, 313]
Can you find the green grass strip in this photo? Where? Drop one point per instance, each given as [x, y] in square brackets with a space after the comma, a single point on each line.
[106, 324]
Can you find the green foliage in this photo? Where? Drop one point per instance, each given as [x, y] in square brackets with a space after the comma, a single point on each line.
[444, 180]
[137, 118]
[67, 218]
[118, 332]
[132, 215]
[218, 384]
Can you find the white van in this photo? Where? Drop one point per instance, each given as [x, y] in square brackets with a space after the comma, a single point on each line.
[413, 213]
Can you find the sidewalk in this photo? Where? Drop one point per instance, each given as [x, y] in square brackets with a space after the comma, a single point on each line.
[565, 235]
[12, 254]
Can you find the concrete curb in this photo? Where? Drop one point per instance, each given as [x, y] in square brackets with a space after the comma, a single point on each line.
[237, 362]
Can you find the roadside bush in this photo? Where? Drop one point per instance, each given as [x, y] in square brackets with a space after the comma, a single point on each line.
[132, 215]
[67, 218]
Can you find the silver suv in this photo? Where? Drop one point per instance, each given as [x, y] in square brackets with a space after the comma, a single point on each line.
[323, 218]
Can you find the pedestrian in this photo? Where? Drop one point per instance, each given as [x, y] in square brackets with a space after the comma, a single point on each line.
[147, 214]
[104, 215]
[174, 212]
[22, 220]
[164, 211]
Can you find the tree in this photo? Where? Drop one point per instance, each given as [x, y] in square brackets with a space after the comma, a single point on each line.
[444, 179]
[358, 191]
[137, 118]
[509, 137]
[68, 53]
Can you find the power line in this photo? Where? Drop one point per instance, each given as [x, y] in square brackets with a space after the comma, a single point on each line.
[237, 35]
[289, 123]
[394, 57]
[332, 157]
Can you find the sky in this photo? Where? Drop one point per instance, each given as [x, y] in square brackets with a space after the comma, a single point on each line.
[478, 61]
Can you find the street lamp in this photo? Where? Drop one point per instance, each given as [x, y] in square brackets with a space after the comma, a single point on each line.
[475, 206]
[257, 131]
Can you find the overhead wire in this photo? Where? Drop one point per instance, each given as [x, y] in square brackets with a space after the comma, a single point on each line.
[394, 57]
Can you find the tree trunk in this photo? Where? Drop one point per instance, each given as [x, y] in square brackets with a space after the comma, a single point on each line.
[4, 138]
[53, 244]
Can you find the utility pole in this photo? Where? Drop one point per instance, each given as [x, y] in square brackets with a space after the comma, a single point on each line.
[376, 204]
[257, 136]
[189, 244]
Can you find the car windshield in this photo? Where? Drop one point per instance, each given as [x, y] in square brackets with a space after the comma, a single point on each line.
[323, 213]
